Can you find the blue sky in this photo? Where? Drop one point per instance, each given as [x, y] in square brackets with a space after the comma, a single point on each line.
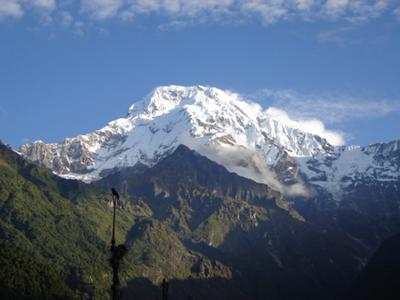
[68, 67]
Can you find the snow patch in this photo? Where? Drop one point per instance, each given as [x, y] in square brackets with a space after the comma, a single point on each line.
[223, 126]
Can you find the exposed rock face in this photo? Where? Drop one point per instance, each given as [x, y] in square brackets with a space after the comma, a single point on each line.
[350, 166]
[71, 156]
[241, 239]
[218, 124]
[227, 129]
[210, 232]
[352, 188]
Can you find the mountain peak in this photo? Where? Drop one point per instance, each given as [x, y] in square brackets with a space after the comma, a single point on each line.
[165, 98]
[219, 124]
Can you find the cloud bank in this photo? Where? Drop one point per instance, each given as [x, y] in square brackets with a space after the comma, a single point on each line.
[333, 109]
[314, 112]
[193, 11]
[247, 163]
[311, 125]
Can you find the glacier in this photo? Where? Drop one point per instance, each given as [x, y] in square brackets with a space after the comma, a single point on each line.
[225, 127]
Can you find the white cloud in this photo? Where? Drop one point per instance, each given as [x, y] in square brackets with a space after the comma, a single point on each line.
[10, 9]
[101, 9]
[366, 10]
[336, 6]
[17, 8]
[305, 4]
[270, 11]
[47, 5]
[332, 109]
[193, 11]
[313, 112]
[314, 126]
[340, 36]
[181, 8]
[255, 168]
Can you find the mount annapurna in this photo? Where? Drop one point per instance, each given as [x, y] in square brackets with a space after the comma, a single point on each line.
[228, 129]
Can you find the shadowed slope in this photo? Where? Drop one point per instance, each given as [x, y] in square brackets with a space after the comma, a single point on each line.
[53, 223]
[380, 278]
[215, 220]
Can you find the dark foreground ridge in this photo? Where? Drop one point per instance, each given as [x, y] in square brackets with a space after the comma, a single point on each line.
[210, 233]
[380, 278]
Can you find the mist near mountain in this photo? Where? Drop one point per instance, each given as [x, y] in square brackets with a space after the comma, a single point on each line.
[219, 196]
[262, 145]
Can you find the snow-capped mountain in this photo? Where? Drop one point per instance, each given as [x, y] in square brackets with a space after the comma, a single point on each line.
[352, 165]
[224, 127]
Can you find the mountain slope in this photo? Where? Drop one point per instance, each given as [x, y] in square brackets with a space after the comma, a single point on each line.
[290, 181]
[250, 236]
[379, 278]
[209, 232]
[228, 129]
[25, 277]
[60, 230]
[213, 122]
[352, 166]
